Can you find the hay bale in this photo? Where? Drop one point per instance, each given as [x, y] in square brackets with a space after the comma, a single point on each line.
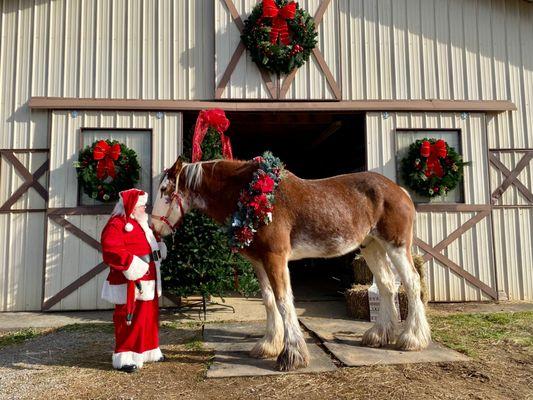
[361, 272]
[357, 305]
[419, 262]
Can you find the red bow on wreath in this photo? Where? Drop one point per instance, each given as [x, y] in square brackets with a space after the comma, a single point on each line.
[279, 16]
[433, 153]
[214, 118]
[106, 156]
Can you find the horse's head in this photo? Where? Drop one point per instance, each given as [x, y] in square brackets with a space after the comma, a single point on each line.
[172, 200]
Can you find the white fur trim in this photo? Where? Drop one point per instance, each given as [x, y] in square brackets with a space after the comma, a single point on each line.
[137, 269]
[131, 358]
[116, 294]
[142, 200]
[128, 227]
[158, 278]
[163, 249]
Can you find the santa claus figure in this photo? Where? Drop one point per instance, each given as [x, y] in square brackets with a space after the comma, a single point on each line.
[134, 282]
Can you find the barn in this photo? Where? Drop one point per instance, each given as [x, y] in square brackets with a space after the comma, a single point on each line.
[383, 74]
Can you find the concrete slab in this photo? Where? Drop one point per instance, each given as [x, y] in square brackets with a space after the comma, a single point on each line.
[232, 343]
[343, 338]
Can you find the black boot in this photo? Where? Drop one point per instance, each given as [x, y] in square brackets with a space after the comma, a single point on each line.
[129, 368]
[161, 359]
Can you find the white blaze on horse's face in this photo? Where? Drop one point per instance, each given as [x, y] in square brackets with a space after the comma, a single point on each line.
[166, 212]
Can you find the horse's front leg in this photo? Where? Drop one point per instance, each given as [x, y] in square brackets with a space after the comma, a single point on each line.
[271, 344]
[294, 354]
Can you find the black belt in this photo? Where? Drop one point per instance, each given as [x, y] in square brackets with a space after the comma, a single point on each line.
[153, 256]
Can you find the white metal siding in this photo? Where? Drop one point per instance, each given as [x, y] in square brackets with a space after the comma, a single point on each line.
[21, 261]
[68, 257]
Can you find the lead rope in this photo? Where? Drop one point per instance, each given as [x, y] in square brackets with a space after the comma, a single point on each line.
[181, 209]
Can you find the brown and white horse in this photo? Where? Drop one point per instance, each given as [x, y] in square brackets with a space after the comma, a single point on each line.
[311, 218]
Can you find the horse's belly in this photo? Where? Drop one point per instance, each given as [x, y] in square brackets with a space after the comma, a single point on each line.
[312, 248]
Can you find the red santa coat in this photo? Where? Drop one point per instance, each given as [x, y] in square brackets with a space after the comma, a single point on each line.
[122, 244]
[121, 251]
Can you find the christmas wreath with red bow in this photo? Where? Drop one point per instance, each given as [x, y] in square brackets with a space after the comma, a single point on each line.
[279, 35]
[256, 202]
[105, 168]
[432, 168]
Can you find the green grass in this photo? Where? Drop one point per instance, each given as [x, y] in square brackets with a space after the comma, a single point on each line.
[14, 337]
[194, 344]
[471, 333]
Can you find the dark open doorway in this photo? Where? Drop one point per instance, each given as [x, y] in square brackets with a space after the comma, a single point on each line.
[312, 145]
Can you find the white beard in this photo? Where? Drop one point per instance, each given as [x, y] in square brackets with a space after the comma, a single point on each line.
[141, 219]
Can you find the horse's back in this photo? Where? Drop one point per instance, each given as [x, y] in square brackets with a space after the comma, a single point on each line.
[358, 202]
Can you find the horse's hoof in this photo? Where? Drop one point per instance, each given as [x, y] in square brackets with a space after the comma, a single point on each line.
[377, 336]
[408, 341]
[292, 358]
[266, 349]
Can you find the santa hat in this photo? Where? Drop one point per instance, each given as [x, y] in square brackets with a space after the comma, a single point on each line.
[129, 199]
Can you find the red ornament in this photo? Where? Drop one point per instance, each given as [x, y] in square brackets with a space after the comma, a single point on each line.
[433, 153]
[279, 15]
[215, 118]
[265, 184]
[106, 156]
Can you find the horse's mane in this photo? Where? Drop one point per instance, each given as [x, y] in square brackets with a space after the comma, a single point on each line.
[193, 173]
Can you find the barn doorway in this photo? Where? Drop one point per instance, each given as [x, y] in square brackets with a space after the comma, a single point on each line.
[312, 145]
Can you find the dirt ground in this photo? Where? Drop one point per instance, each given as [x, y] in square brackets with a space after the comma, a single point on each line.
[74, 362]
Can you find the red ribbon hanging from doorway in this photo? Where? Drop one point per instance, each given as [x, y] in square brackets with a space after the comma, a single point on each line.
[215, 118]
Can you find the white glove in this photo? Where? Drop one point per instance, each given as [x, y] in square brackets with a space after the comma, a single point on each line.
[163, 250]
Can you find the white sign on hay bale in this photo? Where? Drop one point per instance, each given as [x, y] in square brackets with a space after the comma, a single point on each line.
[374, 296]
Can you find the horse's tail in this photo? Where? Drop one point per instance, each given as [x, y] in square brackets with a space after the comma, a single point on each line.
[418, 261]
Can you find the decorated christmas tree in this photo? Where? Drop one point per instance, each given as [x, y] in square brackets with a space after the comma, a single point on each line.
[202, 262]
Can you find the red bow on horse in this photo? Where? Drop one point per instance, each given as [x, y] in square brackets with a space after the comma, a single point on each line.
[106, 156]
[433, 152]
[279, 16]
[214, 118]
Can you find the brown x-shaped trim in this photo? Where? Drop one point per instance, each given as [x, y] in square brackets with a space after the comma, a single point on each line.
[511, 177]
[82, 280]
[31, 180]
[265, 75]
[320, 59]
[237, 55]
[435, 252]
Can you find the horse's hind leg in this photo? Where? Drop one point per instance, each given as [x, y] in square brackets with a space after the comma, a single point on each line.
[294, 354]
[382, 332]
[416, 335]
[271, 344]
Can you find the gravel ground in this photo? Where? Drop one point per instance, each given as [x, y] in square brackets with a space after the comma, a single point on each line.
[73, 362]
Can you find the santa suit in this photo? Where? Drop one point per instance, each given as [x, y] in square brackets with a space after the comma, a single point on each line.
[127, 247]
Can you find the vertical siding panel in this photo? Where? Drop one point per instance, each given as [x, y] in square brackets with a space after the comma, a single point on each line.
[149, 50]
[526, 52]
[71, 53]
[471, 49]
[119, 49]
[401, 76]
[385, 51]
[87, 49]
[371, 49]
[413, 51]
[55, 77]
[456, 49]
[442, 44]
[39, 53]
[427, 12]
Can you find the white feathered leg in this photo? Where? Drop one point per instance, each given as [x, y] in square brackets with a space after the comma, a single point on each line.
[417, 334]
[383, 331]
[271, 344]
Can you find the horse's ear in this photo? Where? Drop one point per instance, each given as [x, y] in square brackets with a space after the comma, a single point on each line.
[176, 168]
